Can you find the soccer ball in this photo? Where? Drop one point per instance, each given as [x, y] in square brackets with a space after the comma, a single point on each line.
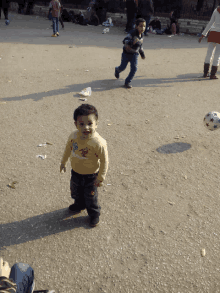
[212, 120]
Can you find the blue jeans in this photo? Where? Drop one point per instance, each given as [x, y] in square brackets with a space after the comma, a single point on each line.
[133, 59]
[55, 24]
[160, 32]
[23, 275]
[147, 19]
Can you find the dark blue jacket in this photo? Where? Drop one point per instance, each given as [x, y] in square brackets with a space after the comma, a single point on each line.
[134, 49]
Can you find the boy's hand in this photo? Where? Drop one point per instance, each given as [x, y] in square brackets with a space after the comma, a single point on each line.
[98, 183]
[62, 168]
[135, 41]
[4, 268]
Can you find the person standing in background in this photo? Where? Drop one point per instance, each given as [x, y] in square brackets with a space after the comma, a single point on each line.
[4, 4]
[21, 5]
[146, 10]
[131, 11]
[55, 5]
[213, 51]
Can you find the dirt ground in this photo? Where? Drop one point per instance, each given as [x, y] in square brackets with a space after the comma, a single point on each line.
[158, 210]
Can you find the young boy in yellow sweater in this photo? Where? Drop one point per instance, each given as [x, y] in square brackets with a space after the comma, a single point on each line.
[88, 155]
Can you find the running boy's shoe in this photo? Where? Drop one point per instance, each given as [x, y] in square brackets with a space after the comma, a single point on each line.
[54, 35]
[57, 34]
[128, 85]
[7, 22]
[116, 73]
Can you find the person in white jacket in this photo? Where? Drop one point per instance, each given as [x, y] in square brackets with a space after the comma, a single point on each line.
[213, 44]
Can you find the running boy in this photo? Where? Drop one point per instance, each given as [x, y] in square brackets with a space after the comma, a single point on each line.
[132, 47]
[89, 161]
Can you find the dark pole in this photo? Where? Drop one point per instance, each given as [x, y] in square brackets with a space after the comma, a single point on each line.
[200, 5]
[213, 7]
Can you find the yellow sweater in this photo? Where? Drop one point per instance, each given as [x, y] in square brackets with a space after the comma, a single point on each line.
[87, 156]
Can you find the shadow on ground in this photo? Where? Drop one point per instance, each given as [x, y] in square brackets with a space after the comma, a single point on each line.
[108, 84]
[41, 226]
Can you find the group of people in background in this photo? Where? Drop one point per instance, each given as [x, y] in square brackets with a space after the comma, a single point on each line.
[95, 14]
[145, 9]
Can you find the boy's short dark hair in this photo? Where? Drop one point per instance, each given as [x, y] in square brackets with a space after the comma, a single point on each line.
[85, 110]
[139, 20]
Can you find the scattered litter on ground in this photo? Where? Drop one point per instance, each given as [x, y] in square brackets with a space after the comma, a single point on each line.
[124, 174]
[108, 22]
[171, 203]
[86, 92]
[106, 30]
[86, 70]
[12, 185]
[203, 253]
[109, 124]
[44, 144]
[41, 156]
[9, 80]
[108, 184]
[83, 99]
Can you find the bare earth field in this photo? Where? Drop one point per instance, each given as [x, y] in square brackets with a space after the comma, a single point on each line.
[158, 210]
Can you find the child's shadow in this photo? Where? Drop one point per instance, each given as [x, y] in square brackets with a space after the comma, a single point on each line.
[167, 82]
[96, 86]
[40, 226]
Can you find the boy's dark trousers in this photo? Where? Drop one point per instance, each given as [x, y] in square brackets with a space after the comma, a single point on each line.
[133, 59]
[85, 193]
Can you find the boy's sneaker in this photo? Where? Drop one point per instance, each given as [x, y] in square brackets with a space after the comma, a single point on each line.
[7, 22]
[128, 85]
[94, 221]
[54, 35]
[116, 73]
[57, 34]
[73, 208]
